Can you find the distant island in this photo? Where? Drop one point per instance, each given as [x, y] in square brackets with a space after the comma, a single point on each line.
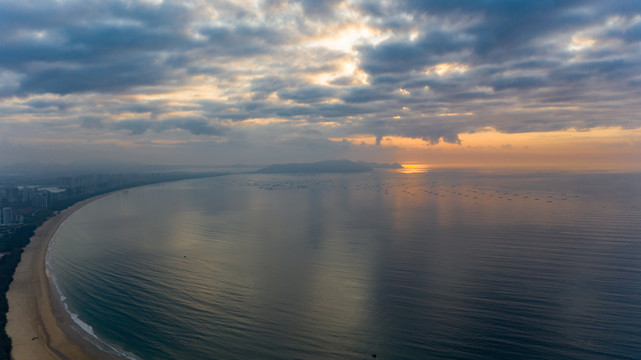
[375, 165]
[329, 166]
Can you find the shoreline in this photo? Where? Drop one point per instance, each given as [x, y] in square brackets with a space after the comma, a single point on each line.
[37, 323]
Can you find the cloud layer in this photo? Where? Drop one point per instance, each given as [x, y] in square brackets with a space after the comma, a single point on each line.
[248, 72]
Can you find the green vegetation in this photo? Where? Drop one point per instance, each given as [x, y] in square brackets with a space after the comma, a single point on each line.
[12, 246]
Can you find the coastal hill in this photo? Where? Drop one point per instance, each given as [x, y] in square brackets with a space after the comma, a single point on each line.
[375, 165]
[329, 166]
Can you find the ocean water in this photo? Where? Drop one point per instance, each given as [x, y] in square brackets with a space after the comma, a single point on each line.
[447, 264]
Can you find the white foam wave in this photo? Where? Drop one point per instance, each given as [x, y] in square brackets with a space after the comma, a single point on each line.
[83, 325]
[85, 330]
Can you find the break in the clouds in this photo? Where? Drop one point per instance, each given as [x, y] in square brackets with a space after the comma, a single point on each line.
[266, 72]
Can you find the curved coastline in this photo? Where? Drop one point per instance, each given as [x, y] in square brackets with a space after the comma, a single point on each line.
[37, 322]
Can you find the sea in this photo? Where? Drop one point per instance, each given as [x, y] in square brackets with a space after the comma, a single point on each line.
[434, 264]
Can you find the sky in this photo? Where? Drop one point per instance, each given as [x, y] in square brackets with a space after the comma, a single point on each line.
[483, 82]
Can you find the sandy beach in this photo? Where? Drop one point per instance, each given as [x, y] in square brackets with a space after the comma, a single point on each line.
[34, 321]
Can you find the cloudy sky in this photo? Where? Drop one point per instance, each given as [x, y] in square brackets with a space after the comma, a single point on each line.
[260, 81]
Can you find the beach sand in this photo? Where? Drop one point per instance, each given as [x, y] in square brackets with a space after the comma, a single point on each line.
[34, 321]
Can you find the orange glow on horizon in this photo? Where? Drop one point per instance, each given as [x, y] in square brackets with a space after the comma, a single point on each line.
[491, 138]
[414, 168]
[599, 148]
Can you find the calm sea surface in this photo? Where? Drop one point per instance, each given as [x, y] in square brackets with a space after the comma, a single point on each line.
[448, 264]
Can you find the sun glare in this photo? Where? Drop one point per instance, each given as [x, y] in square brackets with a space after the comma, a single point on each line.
[414, 168]
[344, 39]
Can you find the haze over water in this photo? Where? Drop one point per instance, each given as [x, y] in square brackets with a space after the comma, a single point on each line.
[447, 264]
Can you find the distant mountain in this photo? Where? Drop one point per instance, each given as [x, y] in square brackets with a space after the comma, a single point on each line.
[375, 165]
[330, 166]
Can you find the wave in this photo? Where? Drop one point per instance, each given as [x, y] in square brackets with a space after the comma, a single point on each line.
[81, 328]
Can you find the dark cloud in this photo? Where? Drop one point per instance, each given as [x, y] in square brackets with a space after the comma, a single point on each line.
[135, 127]
[91, 122]
[403, 56]
[339, 110]
[633, 33]
[307, 94]
[372, 8]
[499, 26]
[112, 77]
[522, 82]
[195, 126]
[240, 41]
[316, 8]
[493, 32]
[47, 103]
[266, 85]
[365, 94]
[606, 70]
[113, 47]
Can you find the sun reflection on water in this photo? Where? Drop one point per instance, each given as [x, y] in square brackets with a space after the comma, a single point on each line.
[414, 168]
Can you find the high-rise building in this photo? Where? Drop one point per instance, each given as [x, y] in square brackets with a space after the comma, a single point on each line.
[7, 216]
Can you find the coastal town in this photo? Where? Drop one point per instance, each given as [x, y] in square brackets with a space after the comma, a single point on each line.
[22, 199]
[27, 202]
